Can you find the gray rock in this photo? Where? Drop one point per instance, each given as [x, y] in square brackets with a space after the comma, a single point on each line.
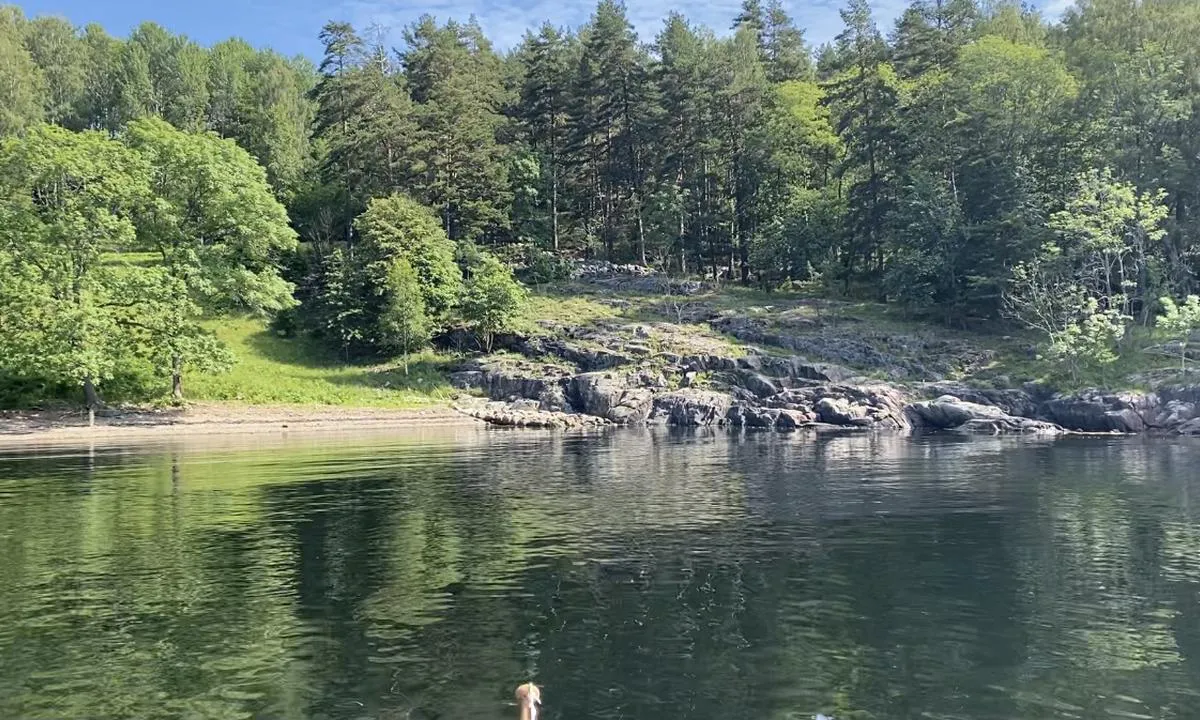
[1191, 427]
[793, 420]
[466, 379]
[554, 399]
[754, 416]
[1096, 411]
[840, 411]
[610, 396]
[874, 405]
[951, 413]
[692, 408]
[1011, 402]
[756, 383]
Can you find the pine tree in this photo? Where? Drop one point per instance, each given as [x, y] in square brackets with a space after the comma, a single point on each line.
[455, 78]
[543, 109]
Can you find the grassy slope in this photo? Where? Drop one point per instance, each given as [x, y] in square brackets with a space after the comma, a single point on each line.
[274, 370]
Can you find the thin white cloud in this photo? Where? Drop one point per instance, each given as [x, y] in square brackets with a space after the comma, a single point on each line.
[505, 21]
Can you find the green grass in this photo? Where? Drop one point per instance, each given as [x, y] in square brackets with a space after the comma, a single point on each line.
[272, 370]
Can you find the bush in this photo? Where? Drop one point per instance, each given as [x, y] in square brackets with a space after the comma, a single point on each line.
[400, 227]
[492, 299]
[404, 326]
[543, 267]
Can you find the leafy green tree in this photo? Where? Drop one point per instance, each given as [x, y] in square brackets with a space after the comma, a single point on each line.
[1089, 341]
[1109, 231]
[930, 33]
[60, 55]
[686, 140]
[614, 112]
[398, 227]
[66, 204]
[1180, 320]
[21, 87]
[161, 323]
[217, 228]
[365, 123]
[865, 96]
[98, 106]
[786, 53]
[492, 299]
[404, 325]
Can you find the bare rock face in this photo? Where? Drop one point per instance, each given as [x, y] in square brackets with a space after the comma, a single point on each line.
[1011, 401]
[878, 406]
[951, 413]
[692, 408]
[611, 396]
[1097, 411]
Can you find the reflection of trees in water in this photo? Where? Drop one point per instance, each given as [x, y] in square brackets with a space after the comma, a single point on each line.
[638, 574]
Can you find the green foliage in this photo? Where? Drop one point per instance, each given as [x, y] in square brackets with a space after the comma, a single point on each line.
[398, 227]
[22, 88]
[65, 202]
[1180, 321]
[404, 326]
[492, 299]
[543, 267]
[970, 163]
[213, 220]
[1090, 340]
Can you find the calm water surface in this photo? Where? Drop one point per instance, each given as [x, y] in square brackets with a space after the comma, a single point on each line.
[634, 575]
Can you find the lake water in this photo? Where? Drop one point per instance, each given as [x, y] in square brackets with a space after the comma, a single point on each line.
[632, 574]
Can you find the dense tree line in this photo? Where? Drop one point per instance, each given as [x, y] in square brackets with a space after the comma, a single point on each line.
[973, 160]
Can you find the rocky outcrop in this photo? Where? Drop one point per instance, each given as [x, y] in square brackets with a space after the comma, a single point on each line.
[1022, 403]
[1096, 411]
[610, 396]
[875, 405]
[951, 413]
[692, 408]
[507, 414]
[1172, 409]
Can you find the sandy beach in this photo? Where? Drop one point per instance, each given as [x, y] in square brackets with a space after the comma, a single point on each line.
[39, 427]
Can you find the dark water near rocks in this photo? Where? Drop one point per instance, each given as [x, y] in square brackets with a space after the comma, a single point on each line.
[633, 575]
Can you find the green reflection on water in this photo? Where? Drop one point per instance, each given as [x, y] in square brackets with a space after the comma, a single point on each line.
[634, 575]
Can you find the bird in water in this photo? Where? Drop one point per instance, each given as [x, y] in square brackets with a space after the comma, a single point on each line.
[529, 699]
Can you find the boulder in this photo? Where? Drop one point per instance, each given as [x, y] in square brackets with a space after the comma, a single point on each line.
[692, 408]
[757, 383]
[521, 415]
[793, 420]
[554, 399]
[752, 416]
[951, 413]
[1097, 411]
[876, 405]
[1191, 427]
[1012, 402]
[610, 396]
[840, 411]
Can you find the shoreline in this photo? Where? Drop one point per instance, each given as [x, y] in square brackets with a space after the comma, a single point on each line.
[42, 427]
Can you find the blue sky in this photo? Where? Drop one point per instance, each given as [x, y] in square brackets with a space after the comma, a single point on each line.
[291, 26]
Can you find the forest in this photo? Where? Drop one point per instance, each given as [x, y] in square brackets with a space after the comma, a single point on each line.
[973, 162]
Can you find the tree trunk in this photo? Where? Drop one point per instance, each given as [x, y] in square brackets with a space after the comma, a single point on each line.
[91, 398]
[554, 206]
[177, 379]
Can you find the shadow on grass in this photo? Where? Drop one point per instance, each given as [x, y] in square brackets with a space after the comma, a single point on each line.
[302, 351]
[425, 372]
